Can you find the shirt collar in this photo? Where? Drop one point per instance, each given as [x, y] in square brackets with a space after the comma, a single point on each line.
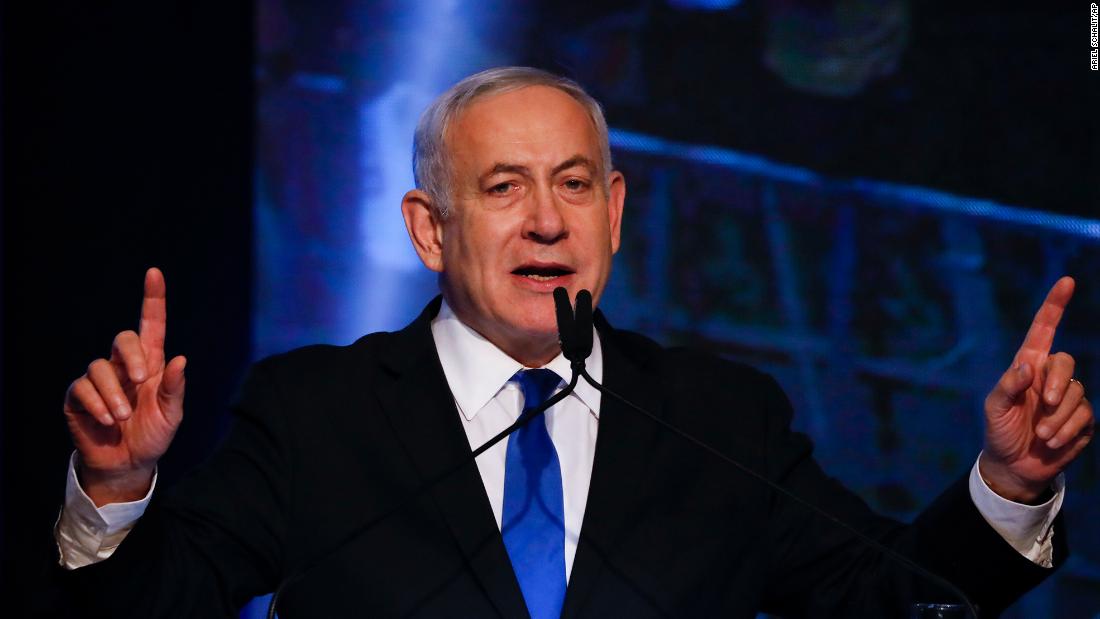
[476, 370]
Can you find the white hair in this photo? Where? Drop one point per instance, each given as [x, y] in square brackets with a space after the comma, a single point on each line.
[431, 159]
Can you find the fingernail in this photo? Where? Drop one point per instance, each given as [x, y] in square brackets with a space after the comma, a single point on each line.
[139, 375]
[123, 412]
[1043, 432]
[1052, 396]
[107, 420]
[1054, 443]
[1021, 368]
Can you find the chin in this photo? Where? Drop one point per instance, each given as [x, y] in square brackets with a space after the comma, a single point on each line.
[536, 319]
[541, 321]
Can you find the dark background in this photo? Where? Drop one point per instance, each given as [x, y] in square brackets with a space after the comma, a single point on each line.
[128, 141]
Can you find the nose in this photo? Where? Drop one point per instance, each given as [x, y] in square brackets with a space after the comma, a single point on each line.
[545, 222]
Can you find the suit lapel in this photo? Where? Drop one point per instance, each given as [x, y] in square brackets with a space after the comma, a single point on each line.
[422, 412]
[619, 471]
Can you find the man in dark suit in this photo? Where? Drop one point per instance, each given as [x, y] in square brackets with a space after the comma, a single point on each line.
[589, 511]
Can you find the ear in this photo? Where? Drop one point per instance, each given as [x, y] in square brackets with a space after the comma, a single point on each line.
[616, 197]
[425, 228]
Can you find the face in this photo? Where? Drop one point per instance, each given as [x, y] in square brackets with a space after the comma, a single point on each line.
[529, 213]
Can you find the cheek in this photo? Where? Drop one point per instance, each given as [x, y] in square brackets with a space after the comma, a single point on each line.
[487, 244]
[597, 239]
[475, 257]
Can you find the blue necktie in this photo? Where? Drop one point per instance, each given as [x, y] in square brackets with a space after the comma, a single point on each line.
[533, 519]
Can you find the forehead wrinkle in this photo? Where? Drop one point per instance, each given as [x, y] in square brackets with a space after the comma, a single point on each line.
[455, 125]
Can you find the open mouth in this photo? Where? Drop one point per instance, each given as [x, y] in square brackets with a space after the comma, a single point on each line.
[542, 273]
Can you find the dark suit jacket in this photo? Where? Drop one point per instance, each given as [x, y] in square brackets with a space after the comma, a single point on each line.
[327, 438]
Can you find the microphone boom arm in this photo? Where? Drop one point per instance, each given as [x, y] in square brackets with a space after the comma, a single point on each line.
[904, 561]
[427, 485]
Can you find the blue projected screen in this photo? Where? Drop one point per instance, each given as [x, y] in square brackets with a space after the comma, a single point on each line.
[885, 300]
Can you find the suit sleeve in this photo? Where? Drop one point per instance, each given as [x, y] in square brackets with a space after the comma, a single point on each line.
[818, 569]
[206, 547]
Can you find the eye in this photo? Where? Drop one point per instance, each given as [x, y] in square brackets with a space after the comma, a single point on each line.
[575, 184]
[501, 188]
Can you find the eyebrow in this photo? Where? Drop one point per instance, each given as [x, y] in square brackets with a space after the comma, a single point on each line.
[575, 160]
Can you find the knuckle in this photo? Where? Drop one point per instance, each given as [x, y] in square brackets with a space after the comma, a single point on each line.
[1073, 427]
[95, 407]
[1068, 430]
[83, 385]
[85, 396]
[73, 394]
[124, 339]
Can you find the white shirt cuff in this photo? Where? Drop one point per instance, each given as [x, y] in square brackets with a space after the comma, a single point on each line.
[86, 534]
[1027, 528]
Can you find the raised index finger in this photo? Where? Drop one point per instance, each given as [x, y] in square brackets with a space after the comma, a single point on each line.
[1040, 336]
[154, 318]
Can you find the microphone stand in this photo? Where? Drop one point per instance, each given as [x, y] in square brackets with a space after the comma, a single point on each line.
[576, 336]
[894, 555]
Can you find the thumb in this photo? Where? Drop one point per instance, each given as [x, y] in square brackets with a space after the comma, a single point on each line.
[170, 391]
[1007, 391]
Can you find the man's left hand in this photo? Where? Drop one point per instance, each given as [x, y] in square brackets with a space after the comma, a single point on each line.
[1037, 416]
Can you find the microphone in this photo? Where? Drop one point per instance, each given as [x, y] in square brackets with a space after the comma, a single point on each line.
[574, 329]
[583, 328]
[575, 337]
[579, 325]
[567, 336]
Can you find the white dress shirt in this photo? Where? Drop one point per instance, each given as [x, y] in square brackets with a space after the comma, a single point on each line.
[478, 375]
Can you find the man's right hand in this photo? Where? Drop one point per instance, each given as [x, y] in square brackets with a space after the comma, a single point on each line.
[124, 411]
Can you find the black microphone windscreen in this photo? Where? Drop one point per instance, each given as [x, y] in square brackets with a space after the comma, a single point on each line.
[582, 324]
[566, 330]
